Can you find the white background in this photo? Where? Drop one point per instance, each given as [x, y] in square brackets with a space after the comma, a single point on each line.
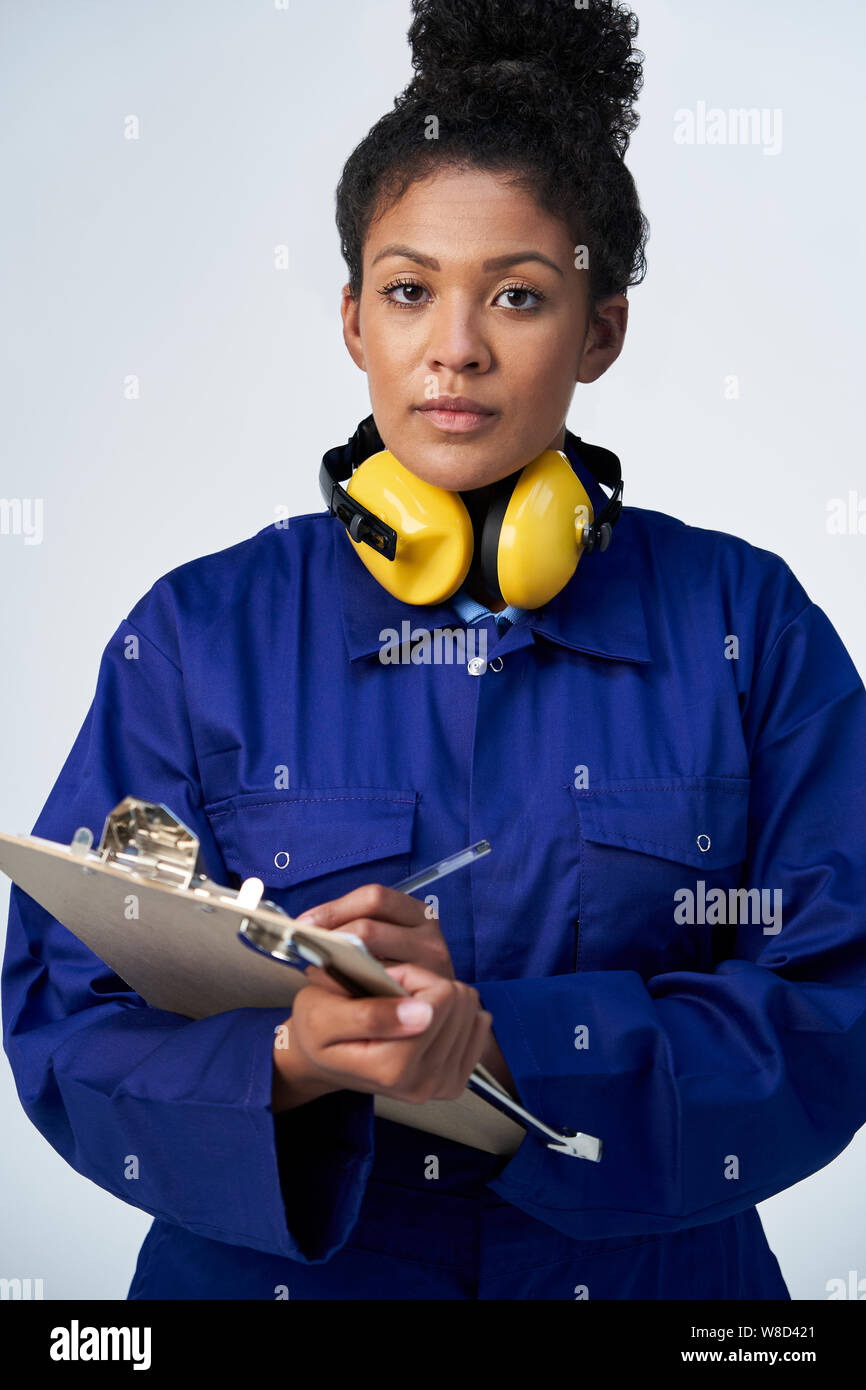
[156, 257]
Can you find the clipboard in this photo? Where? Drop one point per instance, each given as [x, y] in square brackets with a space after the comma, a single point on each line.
[142, 904]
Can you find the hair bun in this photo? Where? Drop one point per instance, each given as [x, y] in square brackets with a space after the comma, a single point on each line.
[534, 52]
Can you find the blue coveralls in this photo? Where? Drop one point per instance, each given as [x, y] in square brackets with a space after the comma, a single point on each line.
[679, 719]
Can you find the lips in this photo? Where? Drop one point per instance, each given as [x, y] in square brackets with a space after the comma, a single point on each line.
[456, 405]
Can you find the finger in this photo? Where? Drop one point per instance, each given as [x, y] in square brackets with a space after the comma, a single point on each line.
[366, 1058]
[370, 900]
[361, 1059]
[454, 1015]
[417, 977]
[383, 939]
[370, 1019]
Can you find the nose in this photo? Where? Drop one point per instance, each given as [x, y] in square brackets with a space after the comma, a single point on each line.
[456, 341]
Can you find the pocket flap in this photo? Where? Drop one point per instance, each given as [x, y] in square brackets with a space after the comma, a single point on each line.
[288, 837]
[702, 821]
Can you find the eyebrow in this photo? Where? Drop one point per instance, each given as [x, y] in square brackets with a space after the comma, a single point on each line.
[495, 263]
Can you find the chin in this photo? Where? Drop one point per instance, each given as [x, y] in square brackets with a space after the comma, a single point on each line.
[454, 479]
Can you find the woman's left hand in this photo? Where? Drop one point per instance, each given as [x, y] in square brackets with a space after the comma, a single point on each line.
[393, 926]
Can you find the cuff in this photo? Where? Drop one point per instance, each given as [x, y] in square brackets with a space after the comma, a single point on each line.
[324, 1156]
[319, 1159]
[605, 1090]
[519, 1175]
[194, 1108]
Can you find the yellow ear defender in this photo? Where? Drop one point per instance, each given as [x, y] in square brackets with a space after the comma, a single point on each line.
[434, 531]
[418, 540]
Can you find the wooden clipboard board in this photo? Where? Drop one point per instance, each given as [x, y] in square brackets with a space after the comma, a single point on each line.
[171, 934]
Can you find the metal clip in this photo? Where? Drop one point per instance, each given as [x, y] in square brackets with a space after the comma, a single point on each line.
[145, 838]
[568, 1141]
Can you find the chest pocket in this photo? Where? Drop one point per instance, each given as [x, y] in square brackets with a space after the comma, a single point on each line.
[310, 845]
[653, 853]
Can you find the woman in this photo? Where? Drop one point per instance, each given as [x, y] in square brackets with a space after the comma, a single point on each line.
[674, 722]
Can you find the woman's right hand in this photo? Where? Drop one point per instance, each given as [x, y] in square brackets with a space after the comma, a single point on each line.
[337, 1042]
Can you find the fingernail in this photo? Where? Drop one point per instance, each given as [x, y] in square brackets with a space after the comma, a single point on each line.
[309, 918]
[414, 1011]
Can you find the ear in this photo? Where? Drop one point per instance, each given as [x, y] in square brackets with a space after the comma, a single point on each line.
[350, 309]
[605, 337]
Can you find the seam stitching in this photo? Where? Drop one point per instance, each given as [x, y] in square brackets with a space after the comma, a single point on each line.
[307, 801]
[778, 639]
[663, 786]
[333, 858]
[150, 641]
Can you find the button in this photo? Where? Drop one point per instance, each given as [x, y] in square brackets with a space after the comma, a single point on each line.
[281, 859]
[703, 847]
[493, 662]
[477, 666]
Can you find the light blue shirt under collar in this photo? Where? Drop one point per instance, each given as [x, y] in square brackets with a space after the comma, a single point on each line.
[473, 612]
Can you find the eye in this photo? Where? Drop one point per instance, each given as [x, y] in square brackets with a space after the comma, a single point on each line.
[388, 292]
[522, 290]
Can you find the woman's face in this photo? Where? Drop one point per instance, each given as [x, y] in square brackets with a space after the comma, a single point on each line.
[471, 290]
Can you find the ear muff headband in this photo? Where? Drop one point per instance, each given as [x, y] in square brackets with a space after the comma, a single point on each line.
[491, 531]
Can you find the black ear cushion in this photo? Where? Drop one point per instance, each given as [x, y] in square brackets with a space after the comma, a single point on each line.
[365, 442]
[491, 531]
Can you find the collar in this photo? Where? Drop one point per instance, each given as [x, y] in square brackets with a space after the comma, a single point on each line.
[600, 610]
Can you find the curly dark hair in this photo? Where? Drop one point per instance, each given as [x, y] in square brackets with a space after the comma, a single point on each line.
[540, 90]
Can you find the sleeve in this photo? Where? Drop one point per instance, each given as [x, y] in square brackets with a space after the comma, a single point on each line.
[170, 1114]
[713, 1091]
